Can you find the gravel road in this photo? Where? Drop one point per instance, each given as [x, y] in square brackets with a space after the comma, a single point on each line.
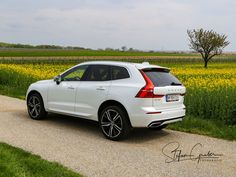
[79, 145]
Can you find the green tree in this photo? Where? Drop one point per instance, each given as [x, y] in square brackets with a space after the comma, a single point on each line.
[207, 42]
[124, 48]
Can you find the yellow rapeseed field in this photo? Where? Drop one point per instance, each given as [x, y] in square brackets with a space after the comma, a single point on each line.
[191, 76]
[38, 71]
[211, 93]
[206, 78]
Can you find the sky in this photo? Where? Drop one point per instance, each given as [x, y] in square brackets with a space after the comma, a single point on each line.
[140, 24]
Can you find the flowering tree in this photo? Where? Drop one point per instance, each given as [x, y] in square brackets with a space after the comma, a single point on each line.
[207, 42]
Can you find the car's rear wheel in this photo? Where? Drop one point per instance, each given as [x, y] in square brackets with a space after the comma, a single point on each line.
[114, 123]
[35, 107]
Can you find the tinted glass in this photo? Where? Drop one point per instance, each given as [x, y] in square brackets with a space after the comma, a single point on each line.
[97, 73]
[119, 72]
[75, 74]
[161, 77]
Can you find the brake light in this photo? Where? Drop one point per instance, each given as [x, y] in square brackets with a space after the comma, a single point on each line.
[147, 90]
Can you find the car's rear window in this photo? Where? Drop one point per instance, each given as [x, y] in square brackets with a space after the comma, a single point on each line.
[160, 77]
[118, 72]
[97, 73]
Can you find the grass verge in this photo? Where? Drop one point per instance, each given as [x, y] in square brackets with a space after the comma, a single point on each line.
[205, 127]
[16, 162]
[12, 91]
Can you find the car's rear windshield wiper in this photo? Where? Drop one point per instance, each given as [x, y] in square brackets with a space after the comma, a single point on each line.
[174, 83]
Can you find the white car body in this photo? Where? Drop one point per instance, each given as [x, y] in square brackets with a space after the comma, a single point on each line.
[84, 98]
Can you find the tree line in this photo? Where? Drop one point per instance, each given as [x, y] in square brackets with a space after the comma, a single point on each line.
[28, 46]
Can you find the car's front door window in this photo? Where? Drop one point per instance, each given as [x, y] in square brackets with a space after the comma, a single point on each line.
[74, 74]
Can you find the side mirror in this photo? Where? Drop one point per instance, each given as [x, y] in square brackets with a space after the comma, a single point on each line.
[57, 79]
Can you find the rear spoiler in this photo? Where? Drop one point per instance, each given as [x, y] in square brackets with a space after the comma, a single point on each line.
[163, 69]
[146, 66]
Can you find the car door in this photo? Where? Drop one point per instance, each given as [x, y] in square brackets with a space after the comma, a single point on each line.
[62, 95]
[93, 90]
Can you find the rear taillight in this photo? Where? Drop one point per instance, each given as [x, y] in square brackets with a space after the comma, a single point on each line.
[147, 90]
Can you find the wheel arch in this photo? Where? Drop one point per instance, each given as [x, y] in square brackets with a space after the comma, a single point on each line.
[40, 94]
[113, 103]
[33, 92]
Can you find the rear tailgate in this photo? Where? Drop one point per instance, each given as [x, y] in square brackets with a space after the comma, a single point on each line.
[169, 88]
[172, 97]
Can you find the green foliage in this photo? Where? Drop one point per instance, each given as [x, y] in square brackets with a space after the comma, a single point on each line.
[217, 104]
[207, 42]
[14, 84]
[212, 127]
[8, 45]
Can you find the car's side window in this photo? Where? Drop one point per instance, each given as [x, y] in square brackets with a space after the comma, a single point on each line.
[75, 74]
[98, 73]
[119, 72]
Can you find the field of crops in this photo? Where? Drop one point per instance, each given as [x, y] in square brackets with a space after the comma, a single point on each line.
[211, 93]
[81, 52]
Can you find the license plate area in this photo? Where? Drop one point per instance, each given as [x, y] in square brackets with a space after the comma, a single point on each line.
[171, 98]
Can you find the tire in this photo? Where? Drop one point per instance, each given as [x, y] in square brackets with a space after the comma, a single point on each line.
[35, 107]
[114, 123]
[160, 127]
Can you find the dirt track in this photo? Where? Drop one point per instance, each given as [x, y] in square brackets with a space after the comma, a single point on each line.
[79, 145]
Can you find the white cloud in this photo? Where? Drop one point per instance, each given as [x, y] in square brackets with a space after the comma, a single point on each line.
[151, 24]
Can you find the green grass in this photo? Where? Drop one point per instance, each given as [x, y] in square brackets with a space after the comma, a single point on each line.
[207, 127]
[15, 162]
[12, 91]
[14, 84]
[82, 52]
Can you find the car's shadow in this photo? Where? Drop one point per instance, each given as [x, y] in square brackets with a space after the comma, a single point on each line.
[137, 135]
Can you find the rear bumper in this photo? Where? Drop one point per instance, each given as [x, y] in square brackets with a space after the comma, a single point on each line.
[163, 122]
[158, 118]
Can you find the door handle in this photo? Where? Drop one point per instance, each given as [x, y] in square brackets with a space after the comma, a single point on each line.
[70, 87]
[100, 88]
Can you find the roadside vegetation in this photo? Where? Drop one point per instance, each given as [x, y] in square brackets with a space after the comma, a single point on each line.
[19, 163]
[209, 127]
[210, 98]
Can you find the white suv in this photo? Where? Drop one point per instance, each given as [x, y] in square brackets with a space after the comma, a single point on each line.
[119, 95]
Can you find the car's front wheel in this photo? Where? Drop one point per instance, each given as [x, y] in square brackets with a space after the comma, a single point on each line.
[36, 107]
[114, 123]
